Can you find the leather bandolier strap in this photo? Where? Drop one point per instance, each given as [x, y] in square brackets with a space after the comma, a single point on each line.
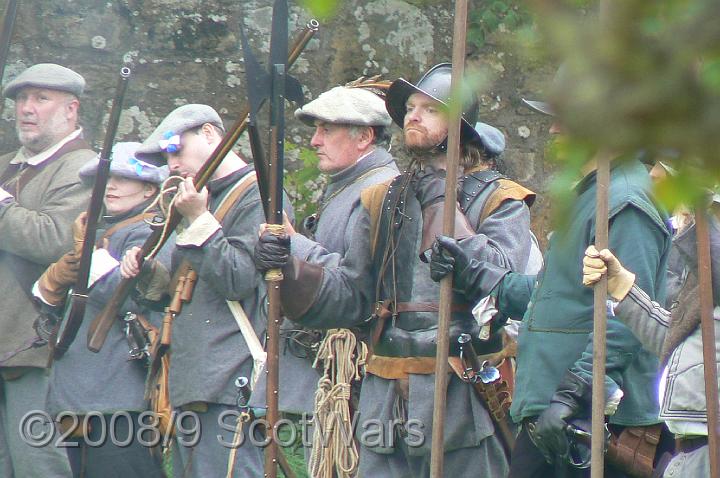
[14, 177]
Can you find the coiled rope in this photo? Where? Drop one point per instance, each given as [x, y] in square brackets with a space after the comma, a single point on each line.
[333, 446]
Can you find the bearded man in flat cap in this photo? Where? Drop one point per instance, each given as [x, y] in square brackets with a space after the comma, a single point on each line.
[351, 139]
[40, 196]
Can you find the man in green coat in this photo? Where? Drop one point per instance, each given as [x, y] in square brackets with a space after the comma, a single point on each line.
[554, 364]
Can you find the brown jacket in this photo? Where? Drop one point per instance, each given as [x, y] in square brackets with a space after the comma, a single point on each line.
[35, 230]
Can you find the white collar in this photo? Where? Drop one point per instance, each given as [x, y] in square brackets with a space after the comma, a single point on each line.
[22, 156]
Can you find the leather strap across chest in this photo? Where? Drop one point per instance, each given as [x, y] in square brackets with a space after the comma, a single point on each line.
[15, 177]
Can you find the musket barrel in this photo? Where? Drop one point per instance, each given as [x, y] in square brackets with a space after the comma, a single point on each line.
[6, 35]
[69, 329]
[99, 328]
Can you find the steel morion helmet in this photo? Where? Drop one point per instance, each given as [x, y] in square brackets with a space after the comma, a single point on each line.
[435, 84]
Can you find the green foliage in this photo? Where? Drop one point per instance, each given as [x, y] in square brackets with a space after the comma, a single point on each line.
[571, 156]
[491, 15]
[303, 184]
[644, 77]
[323, 9]
[294, 453]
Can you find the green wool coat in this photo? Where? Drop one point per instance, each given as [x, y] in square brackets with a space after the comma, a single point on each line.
[556, 331]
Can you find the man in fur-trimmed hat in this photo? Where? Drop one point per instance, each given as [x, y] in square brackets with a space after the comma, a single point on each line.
[40, 196]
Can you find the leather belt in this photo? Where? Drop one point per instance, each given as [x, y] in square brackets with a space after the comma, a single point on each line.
[690, 444]
[401, 307]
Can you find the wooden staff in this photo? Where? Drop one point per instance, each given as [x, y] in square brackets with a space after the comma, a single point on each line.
[597, 444]
[445, 303]
[707, 327]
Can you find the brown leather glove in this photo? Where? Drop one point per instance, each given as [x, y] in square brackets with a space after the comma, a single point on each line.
[57, 279]
[595, 264]
[79, 227]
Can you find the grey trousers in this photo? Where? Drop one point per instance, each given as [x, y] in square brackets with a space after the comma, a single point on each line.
[686, 465]
[209, 456]
[20, 397]
[480, 461]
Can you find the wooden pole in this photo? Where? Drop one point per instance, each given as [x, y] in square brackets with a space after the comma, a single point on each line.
[707, 327]
[445, 303]
[597, 445]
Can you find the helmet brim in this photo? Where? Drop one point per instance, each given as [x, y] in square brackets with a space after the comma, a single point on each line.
[397, 95]
[539, 106]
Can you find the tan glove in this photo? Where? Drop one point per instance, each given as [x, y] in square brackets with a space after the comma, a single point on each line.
[57, 279]
[79, 227]
[153, 280]
[595, 264]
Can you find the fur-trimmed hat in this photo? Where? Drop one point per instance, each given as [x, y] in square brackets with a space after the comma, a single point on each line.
[343, 105]
[166, 137]
[125, 164]
[46, 75]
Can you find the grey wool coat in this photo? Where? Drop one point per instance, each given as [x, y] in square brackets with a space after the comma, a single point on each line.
[339, 210]
[35, 230]
[654, 326]
[208, 350]
[82, 381]
[349, 287]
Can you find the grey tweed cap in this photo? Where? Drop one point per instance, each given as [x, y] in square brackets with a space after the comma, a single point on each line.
[491, 138]
[343, 105]
[181, 119]
[46, 75]
[125, 164]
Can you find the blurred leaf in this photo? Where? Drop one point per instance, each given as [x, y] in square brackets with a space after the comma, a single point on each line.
[634, 83]
[323, 9]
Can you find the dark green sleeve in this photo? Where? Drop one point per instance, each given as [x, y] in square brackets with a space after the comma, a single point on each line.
[514, 293]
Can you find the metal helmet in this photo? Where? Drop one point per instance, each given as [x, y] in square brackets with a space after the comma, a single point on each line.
[545, 107]
[435, 83]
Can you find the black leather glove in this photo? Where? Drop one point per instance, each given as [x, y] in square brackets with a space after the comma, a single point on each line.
[271, 251]
[446, 257]
[474, 279]
[572, 398]
[429, 185]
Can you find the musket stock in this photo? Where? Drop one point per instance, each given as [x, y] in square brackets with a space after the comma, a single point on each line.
[69, 327]
[103, 322]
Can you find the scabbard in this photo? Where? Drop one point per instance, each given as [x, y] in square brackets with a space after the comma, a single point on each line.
[494, 396]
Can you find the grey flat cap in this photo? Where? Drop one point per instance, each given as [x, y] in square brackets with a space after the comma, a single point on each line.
[492, 139]
[166, 136]
[342, 105]
[46, 75]
[125, 164]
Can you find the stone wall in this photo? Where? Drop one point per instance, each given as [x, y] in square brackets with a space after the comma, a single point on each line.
[184, 51]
